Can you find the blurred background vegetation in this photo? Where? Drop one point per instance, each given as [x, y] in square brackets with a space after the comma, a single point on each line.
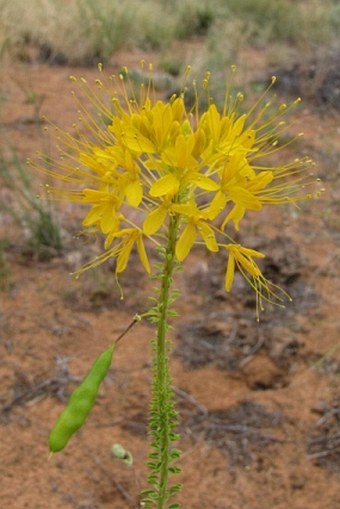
[298, 40]
[81, 32]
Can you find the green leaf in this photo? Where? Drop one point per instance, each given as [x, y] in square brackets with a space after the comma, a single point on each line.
[176, 488]
[154, 466]
[148, 493]
[152, 479]
[174, 437]
[175, 453]
[175, 470]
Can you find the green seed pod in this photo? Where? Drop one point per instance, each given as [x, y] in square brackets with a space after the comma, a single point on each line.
[80, 403]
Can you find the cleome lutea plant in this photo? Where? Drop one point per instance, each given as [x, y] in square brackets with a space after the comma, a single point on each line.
[192, 176]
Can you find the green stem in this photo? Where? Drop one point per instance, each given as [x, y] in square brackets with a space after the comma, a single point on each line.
[163, 368]
[163, 415]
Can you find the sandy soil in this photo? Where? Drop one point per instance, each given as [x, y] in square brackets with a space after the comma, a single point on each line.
[259, 403]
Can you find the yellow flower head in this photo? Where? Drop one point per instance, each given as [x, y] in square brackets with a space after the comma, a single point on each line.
[164, 160]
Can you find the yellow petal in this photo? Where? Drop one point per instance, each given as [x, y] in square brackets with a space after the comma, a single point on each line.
[248, 138]
[183, 149]
[243, 197]
[185, 209]
[236, 214]
[139, 143]
[200, 141]
[216, 206]
[142, 254]
[93, 216]
[178, 108]
[168, 184]
[248, 264]
[238, 125]
[208, 236]
[229, 275]
[109, 219]
[124, 255]
[185, 242]
[93, 196]
[206, 183]
[251, 252]
[261, 181]
[233, 167]
[134, 193]
[154, 220]
[213, 119]
[162, 119]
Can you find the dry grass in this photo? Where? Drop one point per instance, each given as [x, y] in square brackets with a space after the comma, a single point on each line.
[84, 31]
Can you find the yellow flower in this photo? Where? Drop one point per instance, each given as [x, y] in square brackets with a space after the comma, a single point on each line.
[197, 225]
[104, 210]
[130, 237]
[243, 258]
[165, 161]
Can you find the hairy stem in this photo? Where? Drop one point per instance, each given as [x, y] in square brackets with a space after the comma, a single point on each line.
[163, 369]
[163, 415]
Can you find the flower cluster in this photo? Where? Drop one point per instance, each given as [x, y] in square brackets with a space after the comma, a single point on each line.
[163, 159]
